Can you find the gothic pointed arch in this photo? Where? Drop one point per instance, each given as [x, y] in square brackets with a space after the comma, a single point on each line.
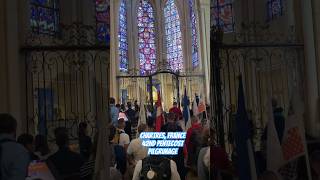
[146, 37]
[172, 24]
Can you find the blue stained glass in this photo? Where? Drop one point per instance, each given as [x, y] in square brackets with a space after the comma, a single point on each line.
[194, 35]
[275, 9]
[222, 11]
[146, 37]
[103, 20]
[123, 38]
[173, 36]
[44, 16]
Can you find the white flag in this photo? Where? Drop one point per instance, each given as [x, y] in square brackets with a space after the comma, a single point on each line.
[294, 142]
[195, 107]
[142, 113]
[274, 151]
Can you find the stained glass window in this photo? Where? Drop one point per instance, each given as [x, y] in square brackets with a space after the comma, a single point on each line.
[44, 16]
[146, 37]
[123, 37]
[103, 20]
[194, 35]
[173, 36]
[274, 8]
[223, 15]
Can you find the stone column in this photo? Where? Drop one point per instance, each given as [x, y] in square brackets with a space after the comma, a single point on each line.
[312, 89]
[113, 51]
[204, 24]
[316, 28]
[14, 64]
[3, 60]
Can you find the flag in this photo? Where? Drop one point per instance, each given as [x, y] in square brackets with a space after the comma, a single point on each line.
[293, 145]
[274, 151]
[159, 119]
[282, 158]
[201, 106]
[186, 111]
[294, 142]
[142, 112]
[195, 107]
[246, 165]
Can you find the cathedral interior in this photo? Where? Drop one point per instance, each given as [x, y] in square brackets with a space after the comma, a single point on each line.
[71, 55]
[61, 60]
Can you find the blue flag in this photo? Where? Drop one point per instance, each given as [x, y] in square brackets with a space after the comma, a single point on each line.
[242, 137]
[186, 103]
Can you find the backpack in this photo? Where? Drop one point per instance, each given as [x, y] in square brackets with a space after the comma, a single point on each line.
[157, 166]
[116, 138]
[193, 152]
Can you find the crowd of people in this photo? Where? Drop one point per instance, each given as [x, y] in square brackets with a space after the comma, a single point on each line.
[200, 157]
[192, 161]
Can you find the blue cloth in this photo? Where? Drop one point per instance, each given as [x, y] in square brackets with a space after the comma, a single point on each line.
[242, 135]
[114, 114]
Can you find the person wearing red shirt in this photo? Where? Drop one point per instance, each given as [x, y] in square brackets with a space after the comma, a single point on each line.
[193, 143]
[176, 110]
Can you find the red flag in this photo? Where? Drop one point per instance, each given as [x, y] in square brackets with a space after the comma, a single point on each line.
[201, 106]
[293, 145]
[160, 119]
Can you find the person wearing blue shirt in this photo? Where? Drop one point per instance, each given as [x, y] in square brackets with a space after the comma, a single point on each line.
[114, 112]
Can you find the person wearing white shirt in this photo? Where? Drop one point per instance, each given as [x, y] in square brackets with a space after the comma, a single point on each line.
[174, 172]
[135, 148]
[124, 139]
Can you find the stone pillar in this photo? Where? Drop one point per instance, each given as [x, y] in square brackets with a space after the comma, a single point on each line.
[204, 23]
[312, 89]
[316, 28]
[14, 78]
[113, 51]
[3, 60]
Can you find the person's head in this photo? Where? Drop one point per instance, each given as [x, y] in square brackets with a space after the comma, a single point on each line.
[150, 122]
[121, 123]
[62, 138]
[60, 130]
[83, 128]
[212, 137]
[8, 124]
[122, 107]
[268, 175]
[315, 162]
[118, 106]
[274, 103]
[27, 141]
[171, 117]
[129, 105]
[175, 104]
[112, 101]
[232, 108]
[194, 119]
[205, 136]
[112, 132]
[41, 144]
[142, 128]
